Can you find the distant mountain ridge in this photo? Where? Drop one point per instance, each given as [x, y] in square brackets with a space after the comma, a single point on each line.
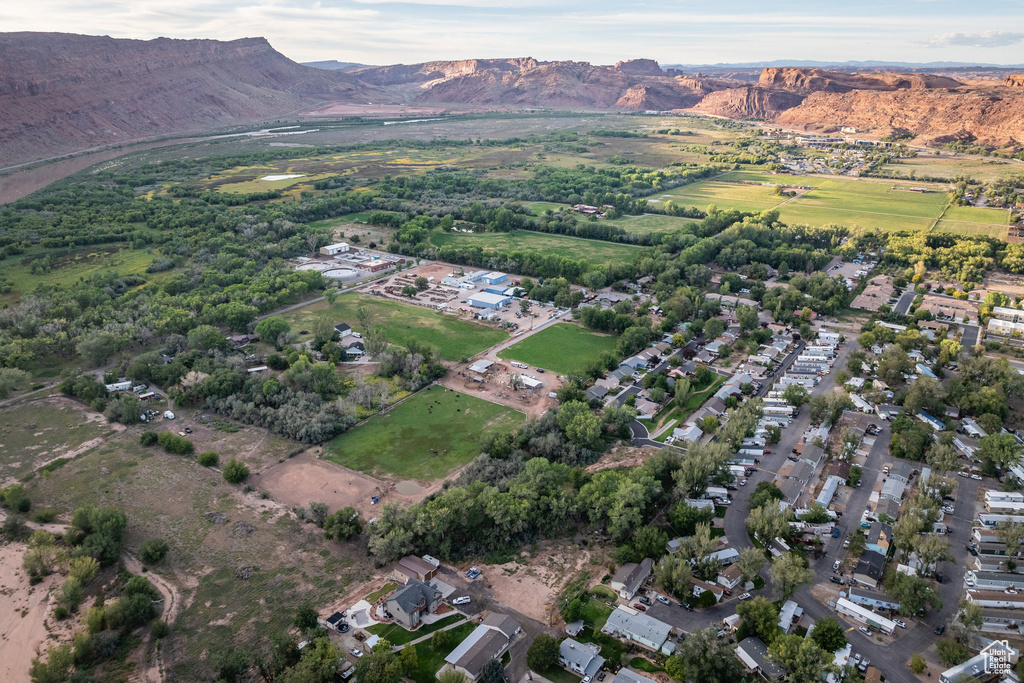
[65, 92]
[335, 65]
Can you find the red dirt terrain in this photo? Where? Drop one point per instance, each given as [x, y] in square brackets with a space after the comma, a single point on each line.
[64, 92]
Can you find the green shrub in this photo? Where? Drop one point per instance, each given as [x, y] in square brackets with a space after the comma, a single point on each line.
[60, 613]
[130, 611]
[153, 550]
[148, 438]
[14, 498]
[208, 459]
[235, 471]
[44, 515]
[160, 629]
[172, 443]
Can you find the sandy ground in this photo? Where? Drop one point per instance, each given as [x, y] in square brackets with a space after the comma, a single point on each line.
[496, 390]
[622, 456]
[305, 478]
[532, 588]
[434, 270]
[23, 613]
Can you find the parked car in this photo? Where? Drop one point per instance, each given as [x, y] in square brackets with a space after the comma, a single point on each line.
[727, 592]
[863, 666]
[899, 623]
[835, 532]
[846, 543]
[586, 679]
[939, 577]
[462, 600]
[939, 630]
[836, 565]
[948, 509]
[663, 600]
[601, 676]
[976, 477]
[473, 572]
[356, 652]
[837, 579]
[686, 607]
[744, 596]
[963, 474]
[866, 631]
[645, 600]
[855, 659]
[638, 606]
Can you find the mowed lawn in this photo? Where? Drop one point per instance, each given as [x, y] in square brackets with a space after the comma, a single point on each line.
[595, 251]
[561, 348]
[424, 437]
[455, 338]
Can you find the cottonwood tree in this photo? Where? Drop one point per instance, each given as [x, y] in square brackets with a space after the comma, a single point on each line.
[761, 618]
[1011, 534]
[376, 342]
[704, 657]
[673, 574]
[802, 658]
[829, 635]
[768, 522]
[751, 561]
[789, 572]
[932, 549]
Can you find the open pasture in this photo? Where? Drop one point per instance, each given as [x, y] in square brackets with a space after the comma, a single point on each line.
[535, 242]
[563, 348]
[455, 338]
[424, 437]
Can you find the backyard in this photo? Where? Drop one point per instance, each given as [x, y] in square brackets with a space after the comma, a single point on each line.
[423, 437]
[673, 416]
[563, 348]
[396, 635]
[455, 338]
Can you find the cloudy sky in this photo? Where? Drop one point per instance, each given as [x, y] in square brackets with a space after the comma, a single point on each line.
[599, 31]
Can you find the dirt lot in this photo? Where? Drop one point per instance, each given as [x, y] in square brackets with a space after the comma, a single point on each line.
[495, 388]
[432, 270]
[1010, 285]
[305, 478]
[622, 456]
[530, 585]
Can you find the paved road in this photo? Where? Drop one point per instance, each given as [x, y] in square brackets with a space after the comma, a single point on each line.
[903, 305]
[972, 335]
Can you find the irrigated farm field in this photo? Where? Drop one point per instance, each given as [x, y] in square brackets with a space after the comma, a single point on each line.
[524, 240]
[561, 348]
[455, 338]
[424, 437]
[724, 195]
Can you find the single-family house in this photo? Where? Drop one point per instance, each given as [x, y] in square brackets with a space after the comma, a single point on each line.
[701, 587]
[730, 577]
[490, 640]
[630, 576]
[893, 490]
[868, 571]
[411, 602]
[902, 471]
[789, 615]
[628, 624]
[581, 658]
[687, 434]
[754, 654]
[596, 392]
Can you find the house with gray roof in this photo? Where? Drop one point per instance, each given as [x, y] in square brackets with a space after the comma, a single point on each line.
[754, 654]
[630, 676]
[902, 471]
[581, 658]
[490, 640]
[630, 577]
[411, 602]
[628, 624]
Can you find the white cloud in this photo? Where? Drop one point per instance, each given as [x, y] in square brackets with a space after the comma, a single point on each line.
[982, 39]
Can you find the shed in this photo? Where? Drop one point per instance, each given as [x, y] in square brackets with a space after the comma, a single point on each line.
[494, 277]
[332, 249]
[412, 567]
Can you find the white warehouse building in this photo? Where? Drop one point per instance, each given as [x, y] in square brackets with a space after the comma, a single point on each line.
[488, 300]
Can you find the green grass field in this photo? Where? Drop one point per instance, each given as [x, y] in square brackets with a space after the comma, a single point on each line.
[652, 222]
[69, 269]
[724, 195]
[973, 214]
[561, 348]
[981, 170]
[455, 338]
[424, 437]
[524, 240]
[979, 229]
